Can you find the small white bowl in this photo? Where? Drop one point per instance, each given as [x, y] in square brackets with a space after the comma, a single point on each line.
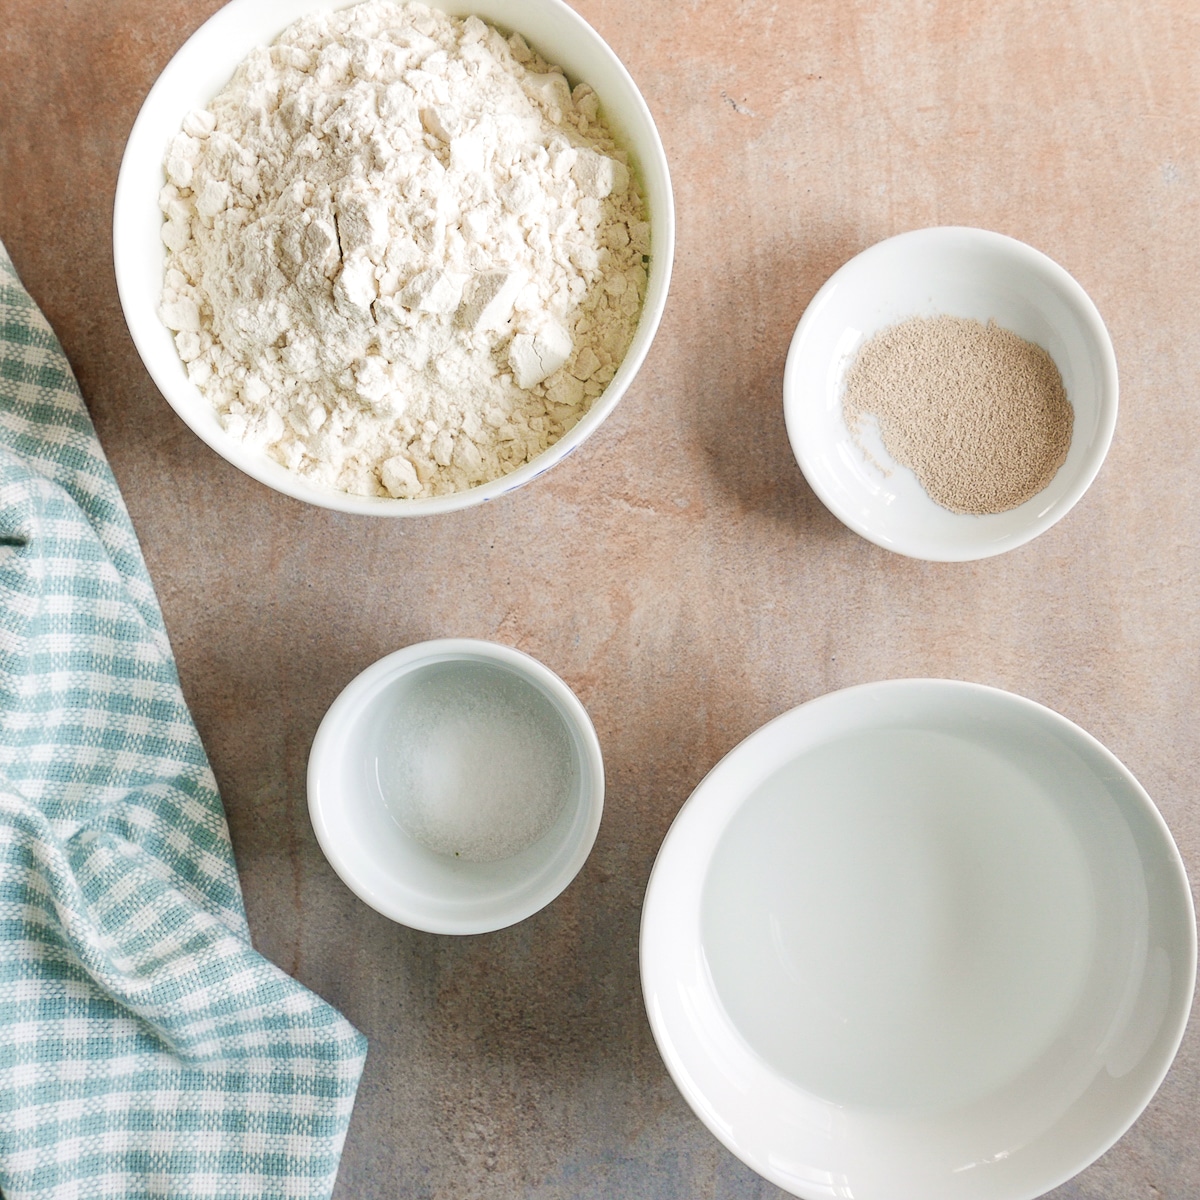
[963, 273]
[352, 794]
[918, 940]
[205, 64]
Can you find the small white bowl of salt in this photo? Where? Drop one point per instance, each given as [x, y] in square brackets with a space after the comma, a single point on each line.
[456, 786]
[950, 393]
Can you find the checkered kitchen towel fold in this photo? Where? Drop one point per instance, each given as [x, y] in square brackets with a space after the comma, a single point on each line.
[145, 1048]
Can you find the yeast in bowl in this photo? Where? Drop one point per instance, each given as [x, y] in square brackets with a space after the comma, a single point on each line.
[972, 275]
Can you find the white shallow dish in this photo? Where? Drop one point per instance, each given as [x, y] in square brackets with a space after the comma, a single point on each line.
[393, 872]
[205, 64]
[918, 940]
[958, 272]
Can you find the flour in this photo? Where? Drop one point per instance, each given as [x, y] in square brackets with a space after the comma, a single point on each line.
[404, 255]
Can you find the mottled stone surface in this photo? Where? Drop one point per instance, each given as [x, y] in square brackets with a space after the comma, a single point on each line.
[677, 571]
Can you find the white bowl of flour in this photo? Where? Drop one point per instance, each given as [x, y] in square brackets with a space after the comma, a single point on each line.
[295, 394]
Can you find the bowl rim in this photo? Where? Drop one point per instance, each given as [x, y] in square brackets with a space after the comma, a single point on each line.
[126, 209]
[324, 798]
[925, 548]
[684, 828]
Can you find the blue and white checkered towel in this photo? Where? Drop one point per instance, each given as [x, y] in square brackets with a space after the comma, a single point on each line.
[146, 1050]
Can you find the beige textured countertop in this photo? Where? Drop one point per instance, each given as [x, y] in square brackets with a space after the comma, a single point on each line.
[677, 571]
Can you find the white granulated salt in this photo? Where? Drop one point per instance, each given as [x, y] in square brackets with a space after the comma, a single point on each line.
[477, 763]
[404, 256]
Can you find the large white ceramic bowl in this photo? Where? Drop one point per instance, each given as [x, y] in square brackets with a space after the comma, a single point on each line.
[352, 805]
[963, 273]
[202, 67]
[918, 940]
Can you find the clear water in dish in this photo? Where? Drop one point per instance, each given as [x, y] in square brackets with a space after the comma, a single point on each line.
[901, 918]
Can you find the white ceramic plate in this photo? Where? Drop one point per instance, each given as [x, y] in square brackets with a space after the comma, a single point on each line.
[918, 940]
[964, 273]
[204, 65]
